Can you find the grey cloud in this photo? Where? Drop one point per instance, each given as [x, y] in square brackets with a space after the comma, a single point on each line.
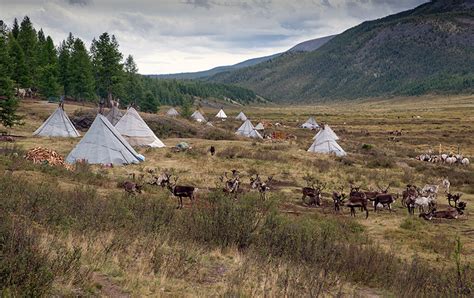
[79, 2]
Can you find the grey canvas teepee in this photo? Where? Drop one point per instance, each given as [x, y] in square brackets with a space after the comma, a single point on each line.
[259, 126]
[221, 114]
[247, 130]
[310, 123]
[325, 142]
[132, 127]
[57, 125]
[241, 116]
[198, 116]
[327, 129]
[103, 144]
[114, 115]
[172, 112]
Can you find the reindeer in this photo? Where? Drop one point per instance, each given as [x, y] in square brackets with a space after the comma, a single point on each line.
[179, 191]
[231, 185]
[131, 187]
[430, 189]
[357, 199]
[262, 187]
[451, 213]
[446, 184]
[453, 197]
[410, 193]
[338, 198]
[314, 193]
[384, 198]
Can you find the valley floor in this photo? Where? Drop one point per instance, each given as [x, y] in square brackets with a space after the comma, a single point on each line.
[133, 246]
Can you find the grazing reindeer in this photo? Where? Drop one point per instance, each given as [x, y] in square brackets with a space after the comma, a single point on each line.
[212, 150]
[262, 187]
[180, 191]
[409, 194]
[314, 193]
[131, 187]
[338, 198]
[384, 198]
[357, 199]
[231, 185]
[455, 198]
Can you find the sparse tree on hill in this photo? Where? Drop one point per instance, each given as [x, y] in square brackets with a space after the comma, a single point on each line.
[19, 73]
[28, 39]
[8, 102]
[150, 104]
[48, 70]
[186, 108]
[133, 85]
[64, 60]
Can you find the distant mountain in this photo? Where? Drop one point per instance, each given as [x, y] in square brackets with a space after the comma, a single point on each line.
[429, 49]
[306, 46]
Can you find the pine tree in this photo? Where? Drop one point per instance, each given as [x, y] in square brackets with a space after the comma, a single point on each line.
[150, 104]
[3, 29]
[19, 73]
[82, 86]
[64, 60]
[28, 40]
[186, 106]
[8, 102]
[48, 71]
[107, 67]
[133, 84]
[16, 28]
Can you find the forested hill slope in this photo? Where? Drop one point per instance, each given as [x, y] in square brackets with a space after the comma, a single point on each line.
[429, 49]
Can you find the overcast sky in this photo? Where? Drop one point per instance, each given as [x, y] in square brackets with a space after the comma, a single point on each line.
[168, 36]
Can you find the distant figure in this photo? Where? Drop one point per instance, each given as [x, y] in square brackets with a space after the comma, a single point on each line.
[212, 150]
[61, 102]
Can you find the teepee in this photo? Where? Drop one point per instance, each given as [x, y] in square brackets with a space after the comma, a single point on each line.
[103, 144]
[114, 115]
[241, 116]
[172, 112]
[259, 126]
[132, 127]
[221, 114]
[326, 143]
[327, 130]
[57, 125]
[247, 130]
[310, 123]
[198, 116]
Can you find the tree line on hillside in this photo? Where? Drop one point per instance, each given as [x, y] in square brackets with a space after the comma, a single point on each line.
[29, 59]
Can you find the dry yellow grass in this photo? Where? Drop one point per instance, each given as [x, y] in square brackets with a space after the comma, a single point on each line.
[427, 122]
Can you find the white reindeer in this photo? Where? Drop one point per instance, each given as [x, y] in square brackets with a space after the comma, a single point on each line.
[465, 161]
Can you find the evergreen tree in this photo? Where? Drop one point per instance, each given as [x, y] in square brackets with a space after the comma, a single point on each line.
[19, 73]
[82, 85]
[16, 28]
[186, 106]
[28, 40]
[64, 60]
[107, 67]
[133, 84]
[48, 71]
[8, 102]
[150, 103]
[3, 29]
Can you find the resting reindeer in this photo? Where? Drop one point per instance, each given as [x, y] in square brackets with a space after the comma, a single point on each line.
[451, 213]
[179, 191]
[314, 193]
[262, 187]
[357, 199]
[132, 187]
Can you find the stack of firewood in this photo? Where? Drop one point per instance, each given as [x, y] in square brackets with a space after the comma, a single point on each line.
[46, 156]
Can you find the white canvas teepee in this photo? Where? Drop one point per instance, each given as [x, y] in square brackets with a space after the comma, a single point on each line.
[241, 116]
[327, 130]
[198, 116]
[310, 124]
[114, 115]
[221, 114]
[247, 130]
[326, 143]
[259, 126]
[57, 125]
[132, 127]
[172, 112]
[103, 144]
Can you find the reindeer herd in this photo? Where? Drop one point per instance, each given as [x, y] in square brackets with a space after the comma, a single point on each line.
[449, 159]
[412, 198]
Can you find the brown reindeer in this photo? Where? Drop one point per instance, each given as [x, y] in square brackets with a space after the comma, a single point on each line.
[384, 198]
[409, 194]
[180, 191]
[453, 197]
[132, 187]
[262, 187]
[231, 185]
[357, 199]
[451, 213]
[314, 192]
[338, 198]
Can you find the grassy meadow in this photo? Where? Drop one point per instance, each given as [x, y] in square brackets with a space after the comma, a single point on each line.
[78, 233]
